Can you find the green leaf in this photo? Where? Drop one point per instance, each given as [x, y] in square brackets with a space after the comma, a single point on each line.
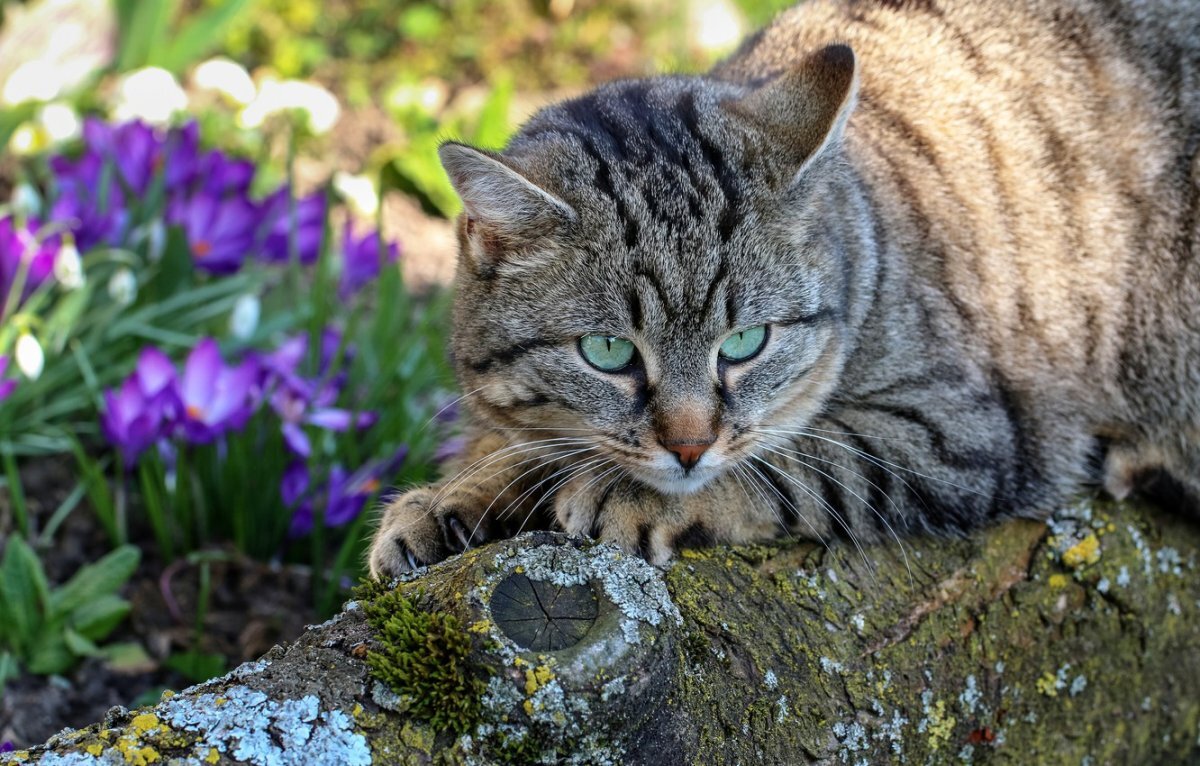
[96, 619]
[9, 668]
[197, 38]
[91, 582]
[144, 23]
[50, 653]
[493, 129]
[128, 655]
[24, 589]
[197, 667]
[79, 645]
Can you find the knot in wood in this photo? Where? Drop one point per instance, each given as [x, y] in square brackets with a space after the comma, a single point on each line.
[541, 616]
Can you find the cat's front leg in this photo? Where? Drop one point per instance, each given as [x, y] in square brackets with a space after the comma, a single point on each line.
[656, 526]
[493, 490]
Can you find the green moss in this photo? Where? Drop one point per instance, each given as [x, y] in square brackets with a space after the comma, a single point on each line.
[425, 656]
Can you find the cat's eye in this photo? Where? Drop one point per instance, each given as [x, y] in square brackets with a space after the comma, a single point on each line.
[606, 353]
[744, 344]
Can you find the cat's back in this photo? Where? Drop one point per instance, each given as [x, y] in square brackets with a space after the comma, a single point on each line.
[1036, 161]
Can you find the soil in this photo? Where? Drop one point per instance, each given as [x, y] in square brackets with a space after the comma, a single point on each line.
[251, 607]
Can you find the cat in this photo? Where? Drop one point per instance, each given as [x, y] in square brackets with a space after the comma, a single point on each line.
[893, 267]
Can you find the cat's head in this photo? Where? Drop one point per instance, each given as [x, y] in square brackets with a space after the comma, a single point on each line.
[647, 268]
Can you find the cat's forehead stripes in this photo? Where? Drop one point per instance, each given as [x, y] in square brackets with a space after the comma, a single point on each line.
[651, 155]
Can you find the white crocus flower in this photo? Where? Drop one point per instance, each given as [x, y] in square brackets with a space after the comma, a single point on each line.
[359, 191]
[68, 266]
[243, 320]
[226, 77]
[31, 360]
[60, 121]
[716, 25]
[154, 235]
[25, 201]
[276, 96]
[26, 140]
[150, 94]
[123, 287]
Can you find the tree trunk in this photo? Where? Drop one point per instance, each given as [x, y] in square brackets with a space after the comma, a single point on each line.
[1073, 642]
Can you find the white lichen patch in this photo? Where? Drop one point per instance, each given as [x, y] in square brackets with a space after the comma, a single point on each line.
[636, 588]
[970, 696]
[249, 726]
[771, 680]
[240, 673]
[1078, 685]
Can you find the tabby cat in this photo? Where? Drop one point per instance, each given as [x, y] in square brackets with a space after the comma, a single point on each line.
[895, 266]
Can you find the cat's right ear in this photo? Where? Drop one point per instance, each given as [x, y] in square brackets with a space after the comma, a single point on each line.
[806, 108]
[505, 215]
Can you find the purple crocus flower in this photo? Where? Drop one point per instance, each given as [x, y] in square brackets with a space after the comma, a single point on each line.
[299, 402]
[133, 147]
[219, 231]
[307, 220]
[215, 398]
[6, 386]
[182, 156]
[20, 248]
[361, 261]
[221, 175]
[131, 421]
[88, 201]
[345, 495]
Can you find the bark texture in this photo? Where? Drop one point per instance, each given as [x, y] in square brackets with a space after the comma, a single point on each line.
[1074, 642]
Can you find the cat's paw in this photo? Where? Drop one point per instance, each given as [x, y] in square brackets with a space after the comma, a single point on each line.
[423, 526]
[633, 517]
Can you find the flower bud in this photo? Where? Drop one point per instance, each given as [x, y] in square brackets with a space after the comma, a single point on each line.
[31, 360]
[68, 267]
[123, 287]
[25, 202]
[243, 321]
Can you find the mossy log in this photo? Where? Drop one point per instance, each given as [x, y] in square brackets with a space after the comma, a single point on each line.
[1075, 642]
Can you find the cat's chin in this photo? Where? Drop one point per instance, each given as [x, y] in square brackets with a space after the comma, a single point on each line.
[677, 485]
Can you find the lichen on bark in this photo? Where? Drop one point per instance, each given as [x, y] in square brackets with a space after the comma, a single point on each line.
[1068, 642]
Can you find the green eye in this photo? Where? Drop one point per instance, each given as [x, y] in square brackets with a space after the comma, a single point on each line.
[744, 344]
[604, 352]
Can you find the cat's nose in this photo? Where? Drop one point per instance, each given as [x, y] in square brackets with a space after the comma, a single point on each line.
[689, 453]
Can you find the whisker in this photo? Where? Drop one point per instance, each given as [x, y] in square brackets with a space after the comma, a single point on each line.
[754, 471]
[832, 511]
[872, 459]
[510, 451]
[780, 451]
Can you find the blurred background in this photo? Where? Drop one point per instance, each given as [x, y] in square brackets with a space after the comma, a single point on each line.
[225, 251]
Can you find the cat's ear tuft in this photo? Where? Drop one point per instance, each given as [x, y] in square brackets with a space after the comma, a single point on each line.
[504, 213]
[806, 108]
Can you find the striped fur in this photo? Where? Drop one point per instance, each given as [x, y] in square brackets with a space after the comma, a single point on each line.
[975, 240]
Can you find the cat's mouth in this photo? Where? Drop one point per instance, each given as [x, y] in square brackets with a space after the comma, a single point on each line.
[665, 475]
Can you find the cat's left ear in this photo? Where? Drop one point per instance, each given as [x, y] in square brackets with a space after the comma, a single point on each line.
[806, 108]
[506, 216]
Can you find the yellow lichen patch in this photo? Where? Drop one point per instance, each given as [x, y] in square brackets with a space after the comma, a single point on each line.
[535, 678]
[20, 756]
[1048, 684]
[1058, 581]
[1086, 551]
[480, 626]
[940, 726]
[94, 750]
[357, 710]
[135, 753]
[143, 723]
[213, 755]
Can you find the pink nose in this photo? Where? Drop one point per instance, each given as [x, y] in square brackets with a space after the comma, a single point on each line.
[689, 454]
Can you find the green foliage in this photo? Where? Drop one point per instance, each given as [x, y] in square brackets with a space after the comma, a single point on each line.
[760, 12]
[48, 630]
[424, 657]
[365, 44]
[156, 33]
[417, 171]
